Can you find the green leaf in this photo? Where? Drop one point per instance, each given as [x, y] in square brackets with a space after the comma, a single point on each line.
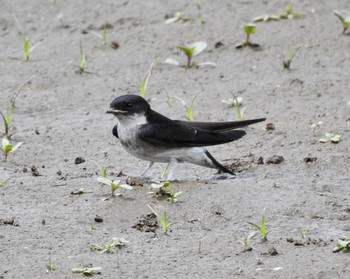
[187, 50]
[104, 180]
[8, 115]
[126, 186]
[15, 147]
[87, 270]
[249, 29]
[198, 47]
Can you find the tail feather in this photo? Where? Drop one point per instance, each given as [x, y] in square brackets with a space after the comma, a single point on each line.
[217, 164]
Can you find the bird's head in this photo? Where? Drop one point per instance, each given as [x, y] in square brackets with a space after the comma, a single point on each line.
[129, 105]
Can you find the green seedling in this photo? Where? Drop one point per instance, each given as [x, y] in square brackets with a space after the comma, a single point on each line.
[25, 44]
[165, 190]
[188, 108]
[87, 271]
[7, 147]
[249, 30]
[169, 100]
[236, 102]
[342, 245]
[304, 232]
[246, 242]
[288, 13]
[102, 35]
[164, 170]
[178, 17]
[261, 228]
[82, 59]
[190, 50]
[345, 20]
[109, 247]
[162, 220]
[102, 170]
[25, 41]
[7, 120]
[8, 117]
[114, 185]
[288, 57]
[332, 137]
[50, 266]
[143, 83]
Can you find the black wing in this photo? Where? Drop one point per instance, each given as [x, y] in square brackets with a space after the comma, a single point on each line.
[176, 135]
[220, 126]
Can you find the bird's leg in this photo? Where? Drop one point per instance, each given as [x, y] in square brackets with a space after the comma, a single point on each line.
[172, 166]
[150, 164]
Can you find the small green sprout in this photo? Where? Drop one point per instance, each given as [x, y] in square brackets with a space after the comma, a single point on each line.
[188, 108]
[25, 41]
[109, 247]
[103, 35]
[114, 185]
[144, 82]
[164, 170]
[345, 20]
[178, 17]
[6, 147]
[190, 50]
[334, 138]
[82, 60]
[164, 189]
[236, 102]
[25, 44]
[248, 29]
[7, 120]
[261, 228]
[288, 57]
[288, 13]
[162, 220]
[170, 99]
[87, 271]
[342, 245]
[304, 232]
[102, 170]
[50, 266]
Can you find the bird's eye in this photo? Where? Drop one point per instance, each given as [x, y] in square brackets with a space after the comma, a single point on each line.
[129, 105]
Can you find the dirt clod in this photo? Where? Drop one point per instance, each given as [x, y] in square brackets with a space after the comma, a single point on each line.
[79, 160]
[34, 171]
[275, 159]
[310, 159]
[98, 219]
[147, 223]
[270, 127]
[10, 221]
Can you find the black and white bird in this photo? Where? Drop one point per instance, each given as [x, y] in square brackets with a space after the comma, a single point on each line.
[150, 136]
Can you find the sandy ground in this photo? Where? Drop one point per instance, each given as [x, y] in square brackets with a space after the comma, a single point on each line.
[60, 115]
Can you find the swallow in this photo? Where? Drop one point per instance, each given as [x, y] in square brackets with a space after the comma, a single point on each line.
[151, 136]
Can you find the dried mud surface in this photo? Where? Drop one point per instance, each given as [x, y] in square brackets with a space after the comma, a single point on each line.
[60, 116]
